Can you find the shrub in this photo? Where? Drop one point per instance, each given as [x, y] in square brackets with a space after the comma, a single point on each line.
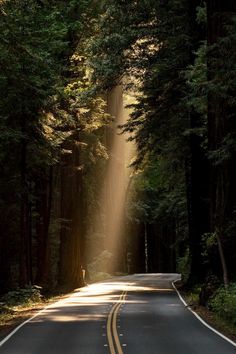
[183, 265]
[23, 296]
[101, 262]
[99, 276]
[223, 303]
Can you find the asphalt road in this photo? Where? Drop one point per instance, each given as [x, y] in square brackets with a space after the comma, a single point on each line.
[139, 314]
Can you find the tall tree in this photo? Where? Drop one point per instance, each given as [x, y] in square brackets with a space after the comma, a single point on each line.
[155, 45]
[221, 124]
[43, 110]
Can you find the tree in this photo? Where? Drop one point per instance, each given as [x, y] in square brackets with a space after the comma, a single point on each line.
[32, 38]
[44, 113]
[155, 46]
[221, 126]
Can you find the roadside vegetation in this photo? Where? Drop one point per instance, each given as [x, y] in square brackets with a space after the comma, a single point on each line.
[218, 310]
[17, 305]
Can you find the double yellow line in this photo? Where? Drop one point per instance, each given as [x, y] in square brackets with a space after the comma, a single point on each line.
[112, 335]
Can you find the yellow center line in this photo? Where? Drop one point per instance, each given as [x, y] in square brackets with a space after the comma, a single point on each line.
[112, 328]
[109, 333]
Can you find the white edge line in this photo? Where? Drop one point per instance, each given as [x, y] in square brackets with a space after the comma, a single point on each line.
[200, 319]
[4, 340]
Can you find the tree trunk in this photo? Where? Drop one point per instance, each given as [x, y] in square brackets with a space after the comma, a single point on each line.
[25, 271]
[197, 176]
[70, 267]
[220, 124]
[222, 259]
[44, 190]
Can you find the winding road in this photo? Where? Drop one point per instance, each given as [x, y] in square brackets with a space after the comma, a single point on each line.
[138, 314]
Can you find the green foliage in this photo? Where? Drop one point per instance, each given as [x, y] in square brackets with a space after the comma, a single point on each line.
[97, 276]
[223, 303]
[209, 241]
[97, 268]
[23, 296]
[196, 96]
[153, 51]
[221, 88]
[183, 266]
[193, 295]
[47, 108]
[202, 14]
[153, 192]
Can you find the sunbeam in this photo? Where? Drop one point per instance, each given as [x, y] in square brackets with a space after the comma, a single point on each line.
[115, 186]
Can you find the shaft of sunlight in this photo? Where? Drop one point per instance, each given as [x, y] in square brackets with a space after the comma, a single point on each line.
[117, 181]
[110, 222]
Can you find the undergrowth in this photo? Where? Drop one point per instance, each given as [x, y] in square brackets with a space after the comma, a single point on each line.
[223, 303]
[24, 296]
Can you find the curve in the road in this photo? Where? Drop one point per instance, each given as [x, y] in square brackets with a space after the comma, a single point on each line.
[112, 334]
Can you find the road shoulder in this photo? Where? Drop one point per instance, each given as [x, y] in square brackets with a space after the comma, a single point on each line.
[205, 314]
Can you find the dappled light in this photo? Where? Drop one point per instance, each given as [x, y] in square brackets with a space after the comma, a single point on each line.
[58, 317]
[97, 297]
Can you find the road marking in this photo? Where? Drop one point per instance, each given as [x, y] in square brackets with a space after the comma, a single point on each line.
[4, 340]
[41, 312]
[200, 319]
[112, 335]
[109, 334]
[115, 334]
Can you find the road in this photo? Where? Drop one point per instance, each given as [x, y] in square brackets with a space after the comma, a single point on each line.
[139, 314]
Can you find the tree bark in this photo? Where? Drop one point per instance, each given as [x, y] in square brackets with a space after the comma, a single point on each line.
[25, 264]
[197, 175]
[222, 175]
[44, 191]
[70, 266]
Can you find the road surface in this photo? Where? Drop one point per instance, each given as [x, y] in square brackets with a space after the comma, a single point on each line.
[139, 314]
